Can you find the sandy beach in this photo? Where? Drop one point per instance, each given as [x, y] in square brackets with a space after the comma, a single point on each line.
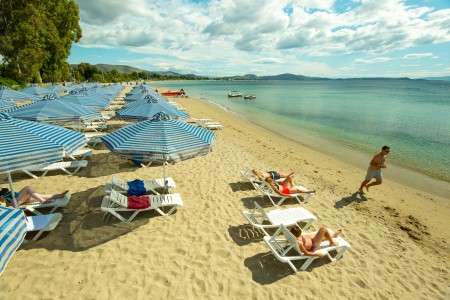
[207, 250]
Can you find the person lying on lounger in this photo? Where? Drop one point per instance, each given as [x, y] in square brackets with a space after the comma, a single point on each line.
[28, 195]
[271, 174]
[286, 188]
[310, 242]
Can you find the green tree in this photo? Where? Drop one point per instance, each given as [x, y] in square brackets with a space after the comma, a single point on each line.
[36, 38]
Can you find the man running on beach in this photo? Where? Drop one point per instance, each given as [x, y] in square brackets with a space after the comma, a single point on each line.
[374, 170]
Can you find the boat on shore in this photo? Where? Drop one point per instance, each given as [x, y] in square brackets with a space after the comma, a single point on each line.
[250, 97]
[174, 93]
[234, 94]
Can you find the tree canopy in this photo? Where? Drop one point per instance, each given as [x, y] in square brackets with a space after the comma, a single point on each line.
[36, 38]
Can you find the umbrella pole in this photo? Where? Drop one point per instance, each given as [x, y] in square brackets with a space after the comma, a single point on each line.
[164, 174]
[11, 188]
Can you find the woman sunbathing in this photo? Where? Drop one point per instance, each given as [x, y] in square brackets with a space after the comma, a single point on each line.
[28, 195]
[310, 242]
[286, 188]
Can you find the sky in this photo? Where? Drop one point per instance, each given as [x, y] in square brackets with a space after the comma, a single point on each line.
[324, 38]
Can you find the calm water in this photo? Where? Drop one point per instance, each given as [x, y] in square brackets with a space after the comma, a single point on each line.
[411, 116]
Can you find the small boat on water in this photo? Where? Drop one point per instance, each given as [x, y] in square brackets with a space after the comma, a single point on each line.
[174, 93]
[249, 97]
[234, 94]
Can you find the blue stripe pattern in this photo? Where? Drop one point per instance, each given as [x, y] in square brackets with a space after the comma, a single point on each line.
[26, 143]
[13, 229]
[156, 140]
[86, 101]
[146, 109]
[55, 111]
[7, 94]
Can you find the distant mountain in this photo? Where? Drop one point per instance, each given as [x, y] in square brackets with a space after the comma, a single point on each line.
[287, 76]
[446, 78]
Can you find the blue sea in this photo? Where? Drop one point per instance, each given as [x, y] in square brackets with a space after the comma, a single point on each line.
[339, 117]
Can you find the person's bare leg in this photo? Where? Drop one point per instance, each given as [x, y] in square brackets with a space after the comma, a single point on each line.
[377, 182]
[363, 184]
[285, 175]
[324, 234]
[301, 189]
[288, 181]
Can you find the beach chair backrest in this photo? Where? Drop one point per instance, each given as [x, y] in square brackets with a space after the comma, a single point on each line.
[118, 198]
[260, 213]
[120, 183]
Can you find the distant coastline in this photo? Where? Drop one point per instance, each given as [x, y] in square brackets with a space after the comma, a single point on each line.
[286, 76]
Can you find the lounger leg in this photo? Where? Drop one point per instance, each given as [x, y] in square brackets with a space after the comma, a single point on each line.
[282, 200]
[45, 173]
[308, 262]
[340, 252]
[29, 173]
[310, 221]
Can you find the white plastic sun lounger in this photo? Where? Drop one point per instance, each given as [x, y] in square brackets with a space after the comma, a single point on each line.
[53, 204]
[62, 165]
[80, 154]
[283, 244]
[42, 224]
[266, 190]
[207, 123]
[90, 126]
[116, 204]
[260, 219]
[150, 185]
[92, 139]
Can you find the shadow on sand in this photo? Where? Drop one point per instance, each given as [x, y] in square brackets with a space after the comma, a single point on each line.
[355, 197]
[82, 226]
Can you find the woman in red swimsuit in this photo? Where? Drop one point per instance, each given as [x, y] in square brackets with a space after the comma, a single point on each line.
[286, 187]
[310, 242]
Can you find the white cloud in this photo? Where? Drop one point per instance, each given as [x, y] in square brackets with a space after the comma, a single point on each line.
[417, 55]
[373, 60]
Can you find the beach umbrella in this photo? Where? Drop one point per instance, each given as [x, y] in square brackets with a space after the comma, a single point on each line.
[141, 95]
[6, 104]
[52, 110]
[39, 91]
[8, 94]
[160, 139]
[76, 98]
[26, 143]
[13, 229]
[147, 108]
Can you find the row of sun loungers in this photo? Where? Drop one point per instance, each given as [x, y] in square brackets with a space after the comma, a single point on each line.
[282, 243]
[208, 124]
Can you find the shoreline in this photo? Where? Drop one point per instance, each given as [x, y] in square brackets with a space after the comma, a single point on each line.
[207, 250]
[402, 175]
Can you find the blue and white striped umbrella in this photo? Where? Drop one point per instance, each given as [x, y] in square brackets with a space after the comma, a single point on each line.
[6, 104]
[26, 143]
[146, 109]
[84, 100]
[55, 111]
[7, 94]
[39, 91]
[144, 93]
[13, 229]
[160, 139]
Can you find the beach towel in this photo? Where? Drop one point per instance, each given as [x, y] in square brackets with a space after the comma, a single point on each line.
[136, 188]
[138, 202]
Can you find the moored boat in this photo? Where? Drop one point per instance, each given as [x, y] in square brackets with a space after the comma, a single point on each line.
[249, 97]
[234, 94]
